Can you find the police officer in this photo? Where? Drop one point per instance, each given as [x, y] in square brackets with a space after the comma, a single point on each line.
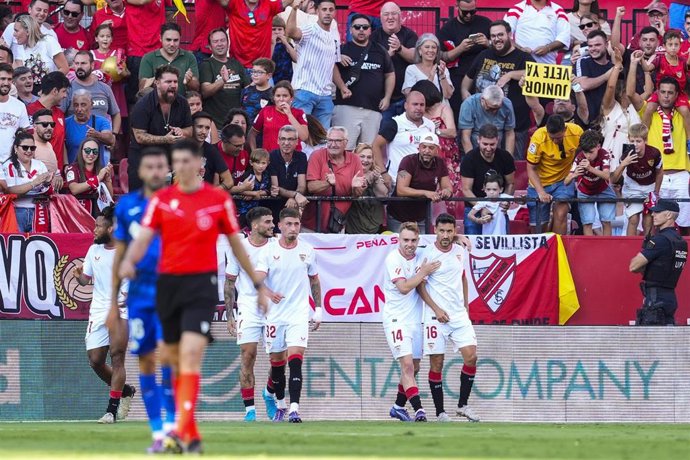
[661, 262]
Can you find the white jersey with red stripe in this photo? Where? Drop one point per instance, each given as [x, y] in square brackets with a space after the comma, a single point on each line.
[445, 284]
[400, 308]
[534, 28]
[247, 298]
[288, 271]
[98, 265]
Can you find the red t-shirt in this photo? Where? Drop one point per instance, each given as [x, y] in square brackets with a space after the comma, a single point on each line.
[144, 27]
[189, 225]
[208, 15]
[118, 25]
[79, 40]
[368, 7]
[269, 121]
[588, 183]
[72, 177]
[645, 169]
[236, 164]
[250, 31]
[665, 69]
[58, 140]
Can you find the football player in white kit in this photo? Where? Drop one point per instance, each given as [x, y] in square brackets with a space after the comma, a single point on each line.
[447, 286]
[289, 265]
[98, 267]
[402, 317]
[249, 325]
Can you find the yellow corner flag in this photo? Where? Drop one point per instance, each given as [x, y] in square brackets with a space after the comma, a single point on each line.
[568, 302]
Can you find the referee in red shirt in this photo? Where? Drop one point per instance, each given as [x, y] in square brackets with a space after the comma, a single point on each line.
[189, 216]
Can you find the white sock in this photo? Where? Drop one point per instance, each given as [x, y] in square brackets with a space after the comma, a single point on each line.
[249, 409]
[168, 427]
[294, 407]
[158, 435]
[280, 403]
[395, 406]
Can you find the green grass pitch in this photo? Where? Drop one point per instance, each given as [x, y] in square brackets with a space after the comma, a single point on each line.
[360, 440]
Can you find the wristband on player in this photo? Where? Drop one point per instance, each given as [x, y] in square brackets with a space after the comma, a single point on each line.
[318, 314]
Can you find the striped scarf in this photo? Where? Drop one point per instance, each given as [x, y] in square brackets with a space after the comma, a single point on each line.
[666, 129]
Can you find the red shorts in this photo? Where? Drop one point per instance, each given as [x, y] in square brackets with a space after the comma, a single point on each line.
[682, 100]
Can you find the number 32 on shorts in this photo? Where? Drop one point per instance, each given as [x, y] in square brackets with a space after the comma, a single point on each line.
[270, 332]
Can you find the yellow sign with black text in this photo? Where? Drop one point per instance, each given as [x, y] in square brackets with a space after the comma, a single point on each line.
[547, 80]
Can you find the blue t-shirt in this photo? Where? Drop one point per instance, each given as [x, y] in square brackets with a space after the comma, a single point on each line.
[76, 132]
[128, 213]
[254, 100]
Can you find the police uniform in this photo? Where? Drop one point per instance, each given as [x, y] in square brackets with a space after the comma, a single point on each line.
[667, 253]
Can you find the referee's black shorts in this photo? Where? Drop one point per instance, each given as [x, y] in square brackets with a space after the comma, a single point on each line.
[186, 303]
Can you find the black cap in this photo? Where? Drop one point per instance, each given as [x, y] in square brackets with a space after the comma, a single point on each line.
[665, 205]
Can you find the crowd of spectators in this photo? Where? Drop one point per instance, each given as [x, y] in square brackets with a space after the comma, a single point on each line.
[284, 110]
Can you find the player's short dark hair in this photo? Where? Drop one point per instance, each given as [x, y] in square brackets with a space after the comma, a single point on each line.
[257, 213]
[668, 80]
[42, 113]
[590, 139]
[649, 30]
[502, 23]
[230, 131]
[4, 67]
[108, 213]
[556, 124]
[360, 16]
[170, 26]
[597, 33]
[444, 218]
[167, 68]
[289, 213]
[495, 178]
[188, 145]
[201, 114]
[488, 131]
[152, 151]
[54, 80]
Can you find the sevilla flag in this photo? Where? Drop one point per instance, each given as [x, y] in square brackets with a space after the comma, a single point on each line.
[520, 279]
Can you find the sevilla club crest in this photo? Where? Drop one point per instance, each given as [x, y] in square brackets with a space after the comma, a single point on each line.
[493, 277]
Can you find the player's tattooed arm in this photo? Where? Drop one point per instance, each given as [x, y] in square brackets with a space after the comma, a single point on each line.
[229, 296]
[315, 285]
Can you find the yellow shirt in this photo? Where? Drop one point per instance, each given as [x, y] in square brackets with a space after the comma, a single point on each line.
[679, 158]
[552, 166]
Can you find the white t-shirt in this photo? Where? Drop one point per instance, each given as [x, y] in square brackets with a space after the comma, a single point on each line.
[98, 265]
[413, 75]
[406, 141]
[399, 308]
[12, 178]
[246, 294]
[317, 52]
[8, 36]
[12, 117]
[497, 225]
[40, 56]
[445, 284]
[288, 274]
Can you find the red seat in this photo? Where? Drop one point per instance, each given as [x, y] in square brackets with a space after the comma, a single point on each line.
[521, 180]
[123, 176]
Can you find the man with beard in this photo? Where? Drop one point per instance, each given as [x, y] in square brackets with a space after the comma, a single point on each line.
[401, 135]
[592, 72]
[12, 112]
[213, 162]
[667, 134]
[70, 34]
[98, 268]
[85, 124]
[358, 102]
[43, 133]
[318, 51]
[54, 88]
[104, 103]
[222, 78]
[144, 323]
[573, 110]
[504, 65]
[463, 38]
[161, 118]
[170, 54]
[422, 175]
[400, 42]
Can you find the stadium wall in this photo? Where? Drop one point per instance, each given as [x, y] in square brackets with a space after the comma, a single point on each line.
[566, 374]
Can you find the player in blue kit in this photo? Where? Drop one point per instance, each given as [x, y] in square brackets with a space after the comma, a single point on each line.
[145, 327]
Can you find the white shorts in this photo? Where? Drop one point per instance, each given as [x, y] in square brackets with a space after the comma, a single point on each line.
[632, 189]
[97, 335]
[248, 332]
[436, 335]
[279, 337]
[404, 339]
[676, 185]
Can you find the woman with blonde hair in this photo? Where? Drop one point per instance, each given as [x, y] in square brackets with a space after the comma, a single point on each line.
[366, 216]
[428, 66]
[41, 53]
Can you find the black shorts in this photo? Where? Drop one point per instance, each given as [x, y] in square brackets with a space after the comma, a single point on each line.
[186, 303]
